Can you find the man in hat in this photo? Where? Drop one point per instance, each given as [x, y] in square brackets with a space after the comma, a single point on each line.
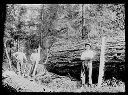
[87, 57]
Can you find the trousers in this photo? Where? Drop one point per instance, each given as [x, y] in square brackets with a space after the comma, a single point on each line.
[86, 72]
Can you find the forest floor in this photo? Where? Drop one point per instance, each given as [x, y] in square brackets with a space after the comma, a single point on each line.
[63, 84]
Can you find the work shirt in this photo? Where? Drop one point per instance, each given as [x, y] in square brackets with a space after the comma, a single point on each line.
[88, 54]
[34, 57]
[20, 56]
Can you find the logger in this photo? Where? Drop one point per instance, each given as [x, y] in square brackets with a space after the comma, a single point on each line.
[87, 57]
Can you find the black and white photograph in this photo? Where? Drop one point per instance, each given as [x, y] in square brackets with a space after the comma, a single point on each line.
[64, 48]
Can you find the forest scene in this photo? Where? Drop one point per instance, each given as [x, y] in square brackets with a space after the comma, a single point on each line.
[43, 44]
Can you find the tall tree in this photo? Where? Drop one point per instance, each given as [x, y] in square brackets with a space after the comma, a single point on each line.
[48, 14]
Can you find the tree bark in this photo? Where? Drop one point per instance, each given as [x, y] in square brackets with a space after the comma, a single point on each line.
[102, 63]
[6, 51]
[46, 61]
[44, 71]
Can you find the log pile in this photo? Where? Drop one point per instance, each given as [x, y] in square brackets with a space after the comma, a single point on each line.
[115, 47]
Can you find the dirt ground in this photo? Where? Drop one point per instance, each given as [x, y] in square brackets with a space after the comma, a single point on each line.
[62, 84]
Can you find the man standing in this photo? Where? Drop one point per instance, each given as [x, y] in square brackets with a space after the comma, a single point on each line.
[35, 58]
[20, 56]
[87, 56]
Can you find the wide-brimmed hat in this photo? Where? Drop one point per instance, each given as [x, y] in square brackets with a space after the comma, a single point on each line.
[88, 44]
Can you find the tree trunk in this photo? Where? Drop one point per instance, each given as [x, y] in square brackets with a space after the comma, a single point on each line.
[102, 63]
[44, 71]
[6, 51]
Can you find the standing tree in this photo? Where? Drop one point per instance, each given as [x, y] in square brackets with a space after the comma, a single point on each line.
[9, 30]
[45, 35]
[102, 63]
[46, 28]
